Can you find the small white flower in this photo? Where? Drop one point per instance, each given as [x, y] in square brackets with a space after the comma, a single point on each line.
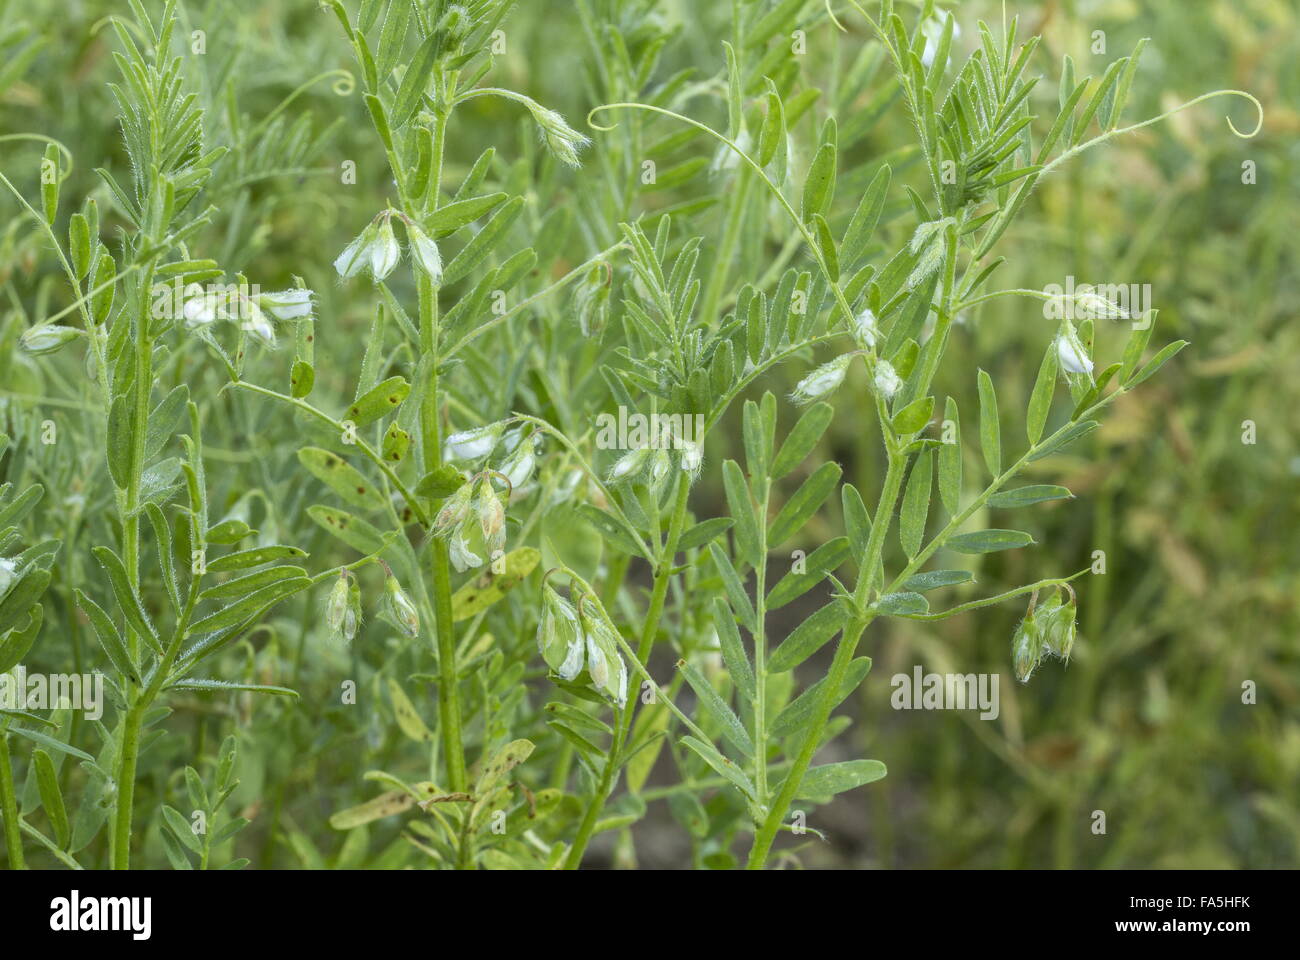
[287, 304]
[472, 444]
[865, 328]
[887, 379]
[425, 252]
[201, 311]
[692, 455]
[462, 558]
[1070, 352]
[822, 380]
[384, 252]
[258, 327]
[630, 464]
[356, 254]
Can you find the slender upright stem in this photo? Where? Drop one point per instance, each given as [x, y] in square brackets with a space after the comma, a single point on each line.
[839, 666]
[623, 721]
[9, 807]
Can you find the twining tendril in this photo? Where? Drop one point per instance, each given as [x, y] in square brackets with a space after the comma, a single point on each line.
[67, 154]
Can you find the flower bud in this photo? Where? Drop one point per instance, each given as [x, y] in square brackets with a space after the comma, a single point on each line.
[424, 252]
[356, 255]
[887, 381]
[491, 517]
[865, 329]
[1026, 649]
[560, 139]
[1070, 352]
[559, 636]
[47, 338]
[472, 444]
[518, 467]
[604, 663]
[822, 380]
[352, 616]
[1057, 626]
[258, 326]
[630, 465]
[454, 509]
[287, 304]
[399, 608]
[384, 251]
[336, 606]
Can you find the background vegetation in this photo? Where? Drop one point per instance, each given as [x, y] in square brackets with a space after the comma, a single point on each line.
[1198, 527]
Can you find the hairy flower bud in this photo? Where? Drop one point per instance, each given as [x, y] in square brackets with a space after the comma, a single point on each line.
[630, 465]
[287, 304]
[473, 444]
[399, 608]
[424, 251]
[336, 606]
[865, 329]
[559, 636]
[1026, 649]
[1071, 353]
[822, 380]
[356, 255]
[887, 381]
[384, 252]
[560, 139]
[47, 338]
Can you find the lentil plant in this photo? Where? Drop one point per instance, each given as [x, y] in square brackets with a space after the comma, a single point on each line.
[443, 514]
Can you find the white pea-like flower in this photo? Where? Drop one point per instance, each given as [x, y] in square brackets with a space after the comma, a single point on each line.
[1071, 354]
[473, 443]
[258, 326]
[462, 557]
[932, 30]
[384, 251]
[887, 381]
[356, 255]
[822, 380]
[424, 252]
[287, 304]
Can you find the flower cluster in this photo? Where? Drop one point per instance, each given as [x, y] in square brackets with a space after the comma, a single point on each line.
[1049, 629]
[376, 249]
[571, 639]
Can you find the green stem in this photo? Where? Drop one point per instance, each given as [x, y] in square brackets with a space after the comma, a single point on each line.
[839, 666]
[623, 722]
[449, 715]
[9, 807]
[730, 238]
[129, 752]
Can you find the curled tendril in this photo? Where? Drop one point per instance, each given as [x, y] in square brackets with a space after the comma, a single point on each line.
[344, 83]
[67, 154]
[834, 19]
